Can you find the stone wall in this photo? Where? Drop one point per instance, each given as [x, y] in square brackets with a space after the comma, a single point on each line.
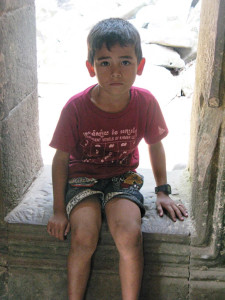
[20, 158]
[207, 162]
[207, 157]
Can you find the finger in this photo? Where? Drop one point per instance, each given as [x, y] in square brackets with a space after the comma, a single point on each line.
[55, 231]
[159, 210]
[60, 234]
[183, 209]
[67, 229]
[178, 212]
[49, 229]
[172, 213]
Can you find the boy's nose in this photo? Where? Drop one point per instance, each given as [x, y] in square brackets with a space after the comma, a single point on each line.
[115, 72]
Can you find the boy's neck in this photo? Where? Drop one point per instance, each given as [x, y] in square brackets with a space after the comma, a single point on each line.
[107, 102]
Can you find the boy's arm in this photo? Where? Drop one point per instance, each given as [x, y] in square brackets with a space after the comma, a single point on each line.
[158, 162]
[58, 225]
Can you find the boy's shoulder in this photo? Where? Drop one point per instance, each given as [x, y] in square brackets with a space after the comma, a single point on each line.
[143, 94]
[78, 98]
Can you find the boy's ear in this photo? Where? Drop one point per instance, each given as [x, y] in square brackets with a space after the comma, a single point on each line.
[90, 68]
[141, 66]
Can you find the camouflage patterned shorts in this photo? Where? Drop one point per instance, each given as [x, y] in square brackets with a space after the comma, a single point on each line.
[123, 186]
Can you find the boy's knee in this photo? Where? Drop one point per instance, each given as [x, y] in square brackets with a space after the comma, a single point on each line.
[127, 237]
[84, 240]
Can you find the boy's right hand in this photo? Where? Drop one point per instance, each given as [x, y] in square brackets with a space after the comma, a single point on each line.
[58, 226]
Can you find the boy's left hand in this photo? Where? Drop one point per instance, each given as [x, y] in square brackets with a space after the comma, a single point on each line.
[175, 210]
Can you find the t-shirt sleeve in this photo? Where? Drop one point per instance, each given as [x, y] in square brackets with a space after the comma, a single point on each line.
[65, 134]
[156, 128]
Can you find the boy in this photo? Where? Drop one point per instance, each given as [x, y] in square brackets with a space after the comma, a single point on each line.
[96, 140]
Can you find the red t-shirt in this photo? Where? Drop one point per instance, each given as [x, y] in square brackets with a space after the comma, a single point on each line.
[103, 144]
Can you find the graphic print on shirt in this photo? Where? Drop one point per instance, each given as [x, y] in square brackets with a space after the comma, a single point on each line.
[109, 147]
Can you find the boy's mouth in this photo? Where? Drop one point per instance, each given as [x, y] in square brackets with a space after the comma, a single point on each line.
[116, 84]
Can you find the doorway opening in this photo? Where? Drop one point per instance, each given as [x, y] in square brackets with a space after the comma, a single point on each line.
[62, 27]
[169, 36]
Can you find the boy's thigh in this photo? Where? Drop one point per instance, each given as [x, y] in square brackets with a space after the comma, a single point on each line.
[79, 190]
[86, 215]
[85, 222]
[124, 221]
[120, 211]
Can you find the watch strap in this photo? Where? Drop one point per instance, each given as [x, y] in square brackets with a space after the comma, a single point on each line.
[165, 188]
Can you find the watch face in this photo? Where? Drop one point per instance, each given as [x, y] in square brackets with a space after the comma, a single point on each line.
[166, 188]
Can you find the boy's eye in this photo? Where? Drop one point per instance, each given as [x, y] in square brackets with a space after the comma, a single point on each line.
[104, 63]
[125, 62]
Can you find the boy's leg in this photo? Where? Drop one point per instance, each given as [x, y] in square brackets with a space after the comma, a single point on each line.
[85, 221]
[124, 221]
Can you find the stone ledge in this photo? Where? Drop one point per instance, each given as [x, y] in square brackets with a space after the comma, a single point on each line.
[30, 245]
[208, 274]
[36, 207]
[37, 261]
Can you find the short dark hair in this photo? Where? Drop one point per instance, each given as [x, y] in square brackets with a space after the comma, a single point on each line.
[111, 32]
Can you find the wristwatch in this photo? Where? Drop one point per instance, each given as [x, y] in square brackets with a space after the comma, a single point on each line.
[166, 188]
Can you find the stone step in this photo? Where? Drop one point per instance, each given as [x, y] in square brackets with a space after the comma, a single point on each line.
[37, 262]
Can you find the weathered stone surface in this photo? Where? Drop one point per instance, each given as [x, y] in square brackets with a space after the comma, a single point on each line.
[20, 150]
[35, 256]
[207, 141]
[103, 286]
[31, 248]
[9, 5]
[19, 57]
[3, 283]
[162, 56]
[27, 285]
[36, 207]
[173, 24]
[209, 274]
[166, 288]
[3, 244]
[207, 290]
[19, 144]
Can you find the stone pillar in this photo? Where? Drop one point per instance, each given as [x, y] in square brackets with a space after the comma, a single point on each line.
[20, 158]
[207, 149]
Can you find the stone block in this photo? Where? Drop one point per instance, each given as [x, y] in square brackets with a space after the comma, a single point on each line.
[164, 288]
[9, 5]
[33, 251]
[19, 54]
[3, 245]
[208, 274]
[26, 284]
[103, 286]
[3, 283]
[20, 146]
[207, 290]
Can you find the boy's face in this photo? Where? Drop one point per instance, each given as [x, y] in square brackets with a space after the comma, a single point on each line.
[116, 69]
